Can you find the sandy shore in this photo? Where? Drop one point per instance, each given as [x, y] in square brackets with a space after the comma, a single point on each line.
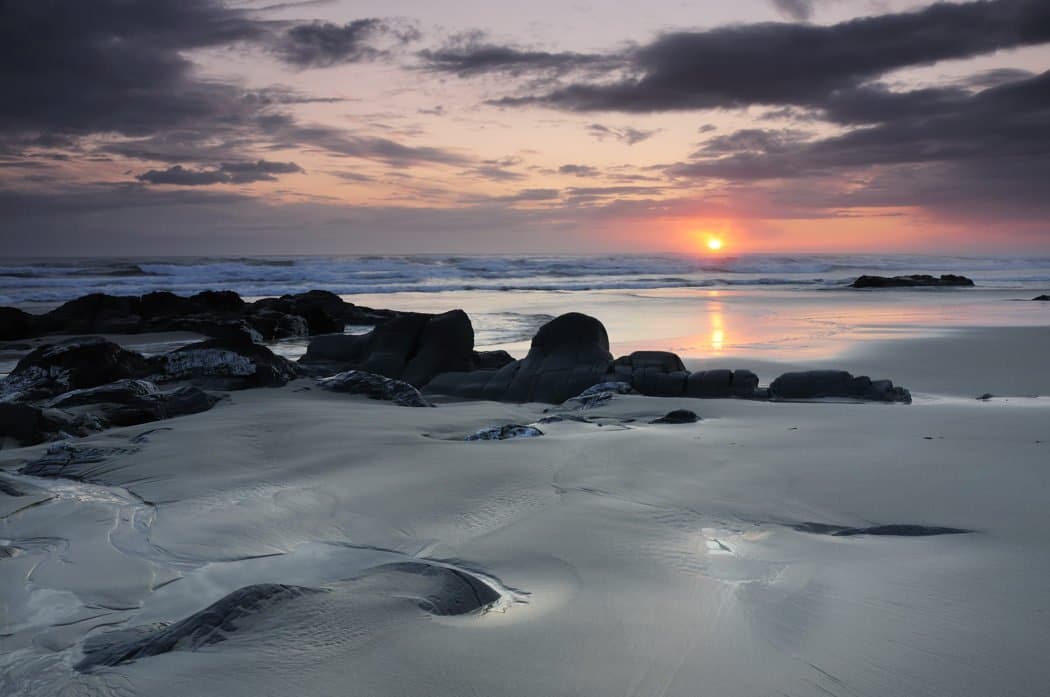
[629, 558]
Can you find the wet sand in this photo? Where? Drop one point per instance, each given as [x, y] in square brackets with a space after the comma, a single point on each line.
[614, 556]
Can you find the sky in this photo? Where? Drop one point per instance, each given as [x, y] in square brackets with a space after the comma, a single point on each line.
[199, 127]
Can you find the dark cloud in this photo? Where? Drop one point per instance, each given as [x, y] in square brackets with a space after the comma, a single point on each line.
[991, 146]
[471, 54]
[323, 44]
[579, 170]
[798, 64]
[794, 9]
[226, 173]
[627, 134]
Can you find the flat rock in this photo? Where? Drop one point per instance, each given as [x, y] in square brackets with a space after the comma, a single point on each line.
[375, 387]
[818, 384]
[912, 281]
[237, 364]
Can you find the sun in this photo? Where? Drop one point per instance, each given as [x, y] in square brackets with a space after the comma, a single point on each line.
[714, 244]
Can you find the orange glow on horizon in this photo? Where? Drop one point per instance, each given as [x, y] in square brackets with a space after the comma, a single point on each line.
[714, 244]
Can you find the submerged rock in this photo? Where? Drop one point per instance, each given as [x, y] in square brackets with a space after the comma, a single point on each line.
[817, 384]
[678, 416]
[506, 432]
[1042, 298]
[211, 625]
[914, 280]
[375, 387]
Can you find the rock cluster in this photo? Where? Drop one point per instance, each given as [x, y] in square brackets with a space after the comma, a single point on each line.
[218, 314]
[570, 359]
[911, 281]
[818, 384]
[80, 386]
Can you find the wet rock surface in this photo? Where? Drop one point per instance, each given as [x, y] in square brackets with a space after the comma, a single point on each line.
[878, 530]
[375, 387]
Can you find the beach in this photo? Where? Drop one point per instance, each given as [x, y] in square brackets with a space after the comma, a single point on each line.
[831, 546]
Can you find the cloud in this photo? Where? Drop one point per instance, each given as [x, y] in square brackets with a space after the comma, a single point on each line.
[782, 64]
[324, 44]
[579, 170]
[627, 134]
[794, 9]
[471, 53]
[226, 173]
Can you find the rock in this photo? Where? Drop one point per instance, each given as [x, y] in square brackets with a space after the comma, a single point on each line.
[1042, 298]
[15, 324]
[710, 384]
[678, 416]
[71, 365]
[653, 373]
[446, 344]
[211, 625]
[986, 396]
[29, 425]
[131, 402]
[436, 589]
[411, 347]
[491, 360]
[817, 384]
[227, 364]
[218, 301]
[162, 304]
[375, 387]
[506, 432]
[914, 280]
[92, 314]
[600, 394]
[273, 325]
[70, 461]
[568, 354]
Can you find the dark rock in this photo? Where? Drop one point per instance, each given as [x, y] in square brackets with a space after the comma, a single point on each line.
[568, 354]
[273, 325]
[446, 344]
[226, 364]
[164, 304]
[491, 360]
[506, 432]
[879, 530]
[986, 396]
[94, 313]
[914, 280]
[1042, 298]
[70, 461]
[71, 365]
[817, 384]
[15, 324]
[678, 416]
[375, 387]
[131, 402]
[211, 625]
[29, 425]
[653, 373]
[218, 301]
[711, 384]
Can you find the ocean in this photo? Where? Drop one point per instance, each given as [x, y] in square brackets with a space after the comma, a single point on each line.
[779, 307]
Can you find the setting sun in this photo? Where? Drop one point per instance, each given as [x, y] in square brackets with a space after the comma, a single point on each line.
[714, 244]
